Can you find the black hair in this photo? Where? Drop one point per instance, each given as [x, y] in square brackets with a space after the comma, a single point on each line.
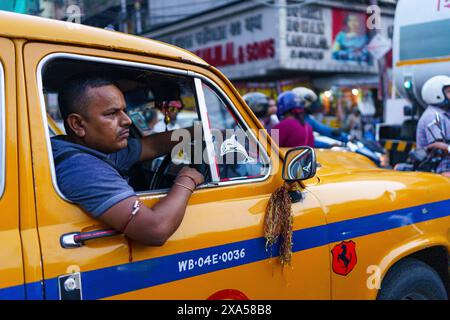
[72, 98]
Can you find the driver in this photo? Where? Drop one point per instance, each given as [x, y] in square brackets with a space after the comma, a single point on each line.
[91, 161]
[436, 94]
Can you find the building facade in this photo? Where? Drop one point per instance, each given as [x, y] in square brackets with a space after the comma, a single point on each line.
[326, 45]
[247, 41]
[260, 45]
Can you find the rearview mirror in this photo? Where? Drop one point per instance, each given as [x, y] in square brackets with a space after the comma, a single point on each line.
[300, 164]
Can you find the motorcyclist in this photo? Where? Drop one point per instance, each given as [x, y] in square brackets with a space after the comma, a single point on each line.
[310, 101]
[259, 103]
[436, 94]
[293, 130]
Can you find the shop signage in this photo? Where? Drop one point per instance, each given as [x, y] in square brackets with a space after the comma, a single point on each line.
[328, 39]
[306, 33]
[306, 38]
[224, 55]
[238, 45]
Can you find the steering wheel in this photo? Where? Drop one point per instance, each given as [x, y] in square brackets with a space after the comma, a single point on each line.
[158, 177]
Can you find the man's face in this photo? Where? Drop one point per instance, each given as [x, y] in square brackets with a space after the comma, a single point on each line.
[106, 122]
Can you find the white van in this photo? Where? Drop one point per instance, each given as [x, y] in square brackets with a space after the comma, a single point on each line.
[421, 45]
[421, 51]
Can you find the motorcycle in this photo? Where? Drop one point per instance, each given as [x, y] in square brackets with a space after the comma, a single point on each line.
[422, 160]
[367, 148]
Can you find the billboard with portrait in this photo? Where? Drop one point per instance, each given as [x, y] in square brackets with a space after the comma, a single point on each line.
[350, 36]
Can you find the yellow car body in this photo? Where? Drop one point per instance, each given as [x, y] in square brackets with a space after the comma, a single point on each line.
[219, 250]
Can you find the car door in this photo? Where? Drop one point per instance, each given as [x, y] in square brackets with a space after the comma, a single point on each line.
[376, 216]
[55, 215]
[217, 252]
[11, 267]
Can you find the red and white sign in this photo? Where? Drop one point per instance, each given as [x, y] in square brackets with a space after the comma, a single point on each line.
[379, 46]
[225, 54]
[443, 4]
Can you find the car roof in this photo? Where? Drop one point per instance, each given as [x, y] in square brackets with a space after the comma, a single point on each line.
[14, 25]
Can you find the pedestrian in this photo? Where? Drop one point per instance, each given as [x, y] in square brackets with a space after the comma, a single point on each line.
[354, 124]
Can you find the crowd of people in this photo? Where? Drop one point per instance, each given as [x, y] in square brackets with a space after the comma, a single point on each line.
[293, 118]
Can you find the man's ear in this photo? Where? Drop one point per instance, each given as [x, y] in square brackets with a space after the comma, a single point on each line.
[77, 124]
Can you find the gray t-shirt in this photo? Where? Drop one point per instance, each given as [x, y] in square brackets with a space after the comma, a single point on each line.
[425, 137]
[91, 182]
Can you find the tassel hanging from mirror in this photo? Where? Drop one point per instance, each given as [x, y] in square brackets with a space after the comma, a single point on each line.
[278, 223]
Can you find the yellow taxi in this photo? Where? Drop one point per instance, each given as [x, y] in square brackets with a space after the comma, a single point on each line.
[359, 232]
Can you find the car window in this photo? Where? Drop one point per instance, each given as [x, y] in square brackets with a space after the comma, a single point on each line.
[156, 101]
[237, 152]
[152, 116]
[160, 100]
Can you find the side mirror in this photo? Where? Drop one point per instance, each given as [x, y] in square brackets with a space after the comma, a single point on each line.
[300, 164]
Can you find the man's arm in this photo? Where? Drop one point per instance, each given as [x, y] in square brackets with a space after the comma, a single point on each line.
[153, 226]
[319, 127]
[438, 145]
[159, 144]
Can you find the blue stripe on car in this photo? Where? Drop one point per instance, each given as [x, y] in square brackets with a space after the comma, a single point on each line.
[106, 282]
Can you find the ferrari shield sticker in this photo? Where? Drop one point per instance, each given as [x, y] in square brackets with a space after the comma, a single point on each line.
[344, 257]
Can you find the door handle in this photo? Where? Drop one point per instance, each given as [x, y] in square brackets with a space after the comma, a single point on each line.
[77, 239]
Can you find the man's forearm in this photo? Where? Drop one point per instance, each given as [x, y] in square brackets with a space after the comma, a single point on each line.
[439, 145]
[171, 209]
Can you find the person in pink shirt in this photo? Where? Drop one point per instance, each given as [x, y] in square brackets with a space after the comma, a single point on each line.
[293, 130]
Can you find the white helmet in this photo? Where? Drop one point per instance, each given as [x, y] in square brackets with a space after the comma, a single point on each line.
[433, 90]
[306, 95]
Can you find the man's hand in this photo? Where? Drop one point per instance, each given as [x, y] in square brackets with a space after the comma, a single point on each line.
[191, 175]
[438, 145]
